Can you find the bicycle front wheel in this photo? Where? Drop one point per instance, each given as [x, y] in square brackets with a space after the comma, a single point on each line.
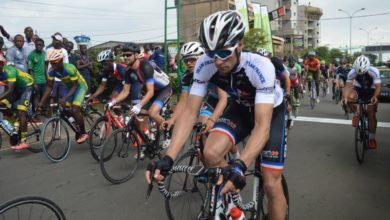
[55, 139]
[262, 203]
[90, 119]
[99, 132]
[360, 141]
[120, 156]
[191, 204]
[32, 208]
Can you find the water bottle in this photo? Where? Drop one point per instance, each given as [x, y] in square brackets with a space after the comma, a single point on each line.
[236, 214]
[71, 120]
[127, 119]
[7, 126]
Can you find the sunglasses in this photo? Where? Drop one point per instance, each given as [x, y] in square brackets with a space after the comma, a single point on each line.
[221, 54]
[189, 60]
[127, 54]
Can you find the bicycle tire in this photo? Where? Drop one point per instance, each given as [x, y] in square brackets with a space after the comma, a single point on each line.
[98, 135]
[192, 191]
[56, 124]
[360, 142]
[262, 207]
[114, 149]
[6, 209]
[36, 148]
[90, 118]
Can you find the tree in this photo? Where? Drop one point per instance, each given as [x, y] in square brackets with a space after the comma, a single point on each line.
[255, 39]
[371, 57]
[323, 53]
[335, 53]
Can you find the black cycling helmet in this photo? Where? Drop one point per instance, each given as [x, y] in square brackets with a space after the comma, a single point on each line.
[131, 47]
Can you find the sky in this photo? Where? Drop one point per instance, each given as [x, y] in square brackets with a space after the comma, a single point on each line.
[143, 20]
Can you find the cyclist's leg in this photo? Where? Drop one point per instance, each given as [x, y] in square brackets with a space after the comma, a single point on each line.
[371, 113]
[316, 76]
[116, 90]
[77, 100]
[272, 164]
[308, 79]
[22, 105]
[160, 100]
[232, 127]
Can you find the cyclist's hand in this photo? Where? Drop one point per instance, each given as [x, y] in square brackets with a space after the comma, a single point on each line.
[160, 169]
[209, 125]
[374, 100]
[234, 175]
[167, 125]
[62, 102]
[136, 109]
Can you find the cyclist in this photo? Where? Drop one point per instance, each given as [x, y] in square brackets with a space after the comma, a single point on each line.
[324, 74]
[295, 71]
[342, 75]
[115, 70]
[76, 89]
[258, 110]
[364, 82]
[18, 94]
[158, 90]
[312, 68]
[332, 73]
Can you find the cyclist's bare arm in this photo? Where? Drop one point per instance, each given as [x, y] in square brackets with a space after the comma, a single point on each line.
[124, 93]
[287, 82]
[184, 125]
[260, 133]
[10, 90]
[377, 92]
[47, 92]
[149, 94]
[180, 105]
[99, 90]
[221, 105]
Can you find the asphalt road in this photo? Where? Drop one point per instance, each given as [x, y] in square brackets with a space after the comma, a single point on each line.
[325, 181]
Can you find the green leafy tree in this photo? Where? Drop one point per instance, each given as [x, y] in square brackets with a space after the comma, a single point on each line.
[335, 53]
[371, 57]
[255, 39]
[322, 53]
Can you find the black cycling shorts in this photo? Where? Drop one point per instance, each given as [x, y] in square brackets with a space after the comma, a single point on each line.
[160, 97]
[19, 99]
[237, 122]
[364, 94]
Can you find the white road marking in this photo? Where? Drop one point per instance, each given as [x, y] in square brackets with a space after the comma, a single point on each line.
[335, 121]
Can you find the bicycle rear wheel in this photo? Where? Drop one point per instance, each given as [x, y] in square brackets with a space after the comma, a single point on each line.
[55, 139]
[32, 208]
[360, 140]
[121, 157]
[191, 204]
[98, 135]
[36, 147]
[262, 203]
[90, 119]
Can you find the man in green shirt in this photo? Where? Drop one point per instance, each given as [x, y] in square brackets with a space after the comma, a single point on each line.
[36, 68]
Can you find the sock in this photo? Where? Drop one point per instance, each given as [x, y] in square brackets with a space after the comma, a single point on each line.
[236, 155]
[23, 137]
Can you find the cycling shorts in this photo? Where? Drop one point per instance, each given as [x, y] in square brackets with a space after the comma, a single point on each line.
[364, 94]
[237, 122]
[78, 97]
[311, 74]
[160, 97]
[19, 99]
[58, 89]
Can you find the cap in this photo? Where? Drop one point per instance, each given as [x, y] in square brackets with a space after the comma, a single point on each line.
[57, 36]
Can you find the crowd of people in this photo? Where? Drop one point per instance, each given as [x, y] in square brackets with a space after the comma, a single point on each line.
[237, 94]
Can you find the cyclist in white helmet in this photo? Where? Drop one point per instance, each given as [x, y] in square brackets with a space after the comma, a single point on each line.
[257, 111]
[364, 83]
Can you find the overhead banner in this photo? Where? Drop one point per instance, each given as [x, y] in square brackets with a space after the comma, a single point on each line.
[266, 28]
[242, 8]
[257, 15]
[277, 13]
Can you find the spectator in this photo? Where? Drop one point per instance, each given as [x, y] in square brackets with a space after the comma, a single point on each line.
[36, 68]
[28, 45]
[158, 57]
[1, 46]
[117, 53]
[73, 57]
[146, 53]
[84, 65]
[16, 55]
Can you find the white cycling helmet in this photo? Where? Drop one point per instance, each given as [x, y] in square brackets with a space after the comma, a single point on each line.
[221, 29]
[191, 49]
[263, 52]
[104, 55]
[361, 64]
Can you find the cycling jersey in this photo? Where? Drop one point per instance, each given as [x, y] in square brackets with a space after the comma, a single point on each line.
[365, 81]
[342, 74]
[253, 81]
[293, 76]
[119, 72]
[17, 76]
[148, 73]
[68, 74]
[312, 65]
